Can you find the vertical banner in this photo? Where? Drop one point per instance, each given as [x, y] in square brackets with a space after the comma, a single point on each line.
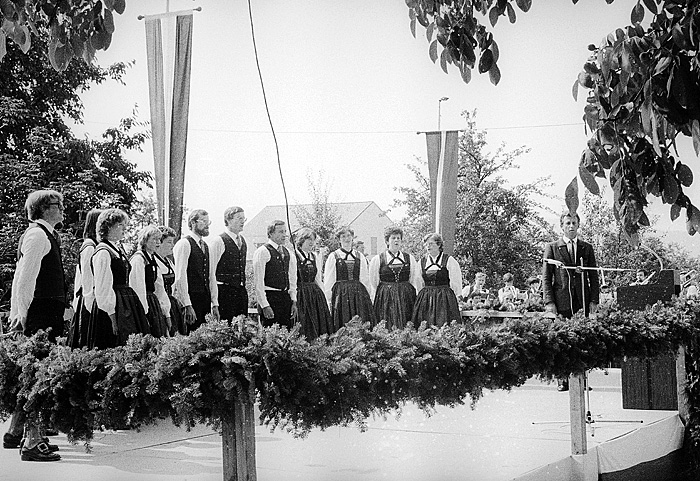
[169, 53]
[443, 149]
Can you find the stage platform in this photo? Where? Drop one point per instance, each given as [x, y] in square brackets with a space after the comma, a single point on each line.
[505, 436]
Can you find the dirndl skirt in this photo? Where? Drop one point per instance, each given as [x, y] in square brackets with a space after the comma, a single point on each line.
[177, 322]
[436, 305]
[156, 317]
[77, 334]
[131, 319]
[313, 314]
[350, 299]
[394, 302]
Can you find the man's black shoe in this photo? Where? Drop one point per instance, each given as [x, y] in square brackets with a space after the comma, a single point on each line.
[10, 441]
[50, 432]
[40, 452]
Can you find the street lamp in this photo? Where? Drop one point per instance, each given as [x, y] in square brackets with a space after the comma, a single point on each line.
[439, 105]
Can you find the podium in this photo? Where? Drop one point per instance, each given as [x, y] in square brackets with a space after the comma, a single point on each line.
[650, 384]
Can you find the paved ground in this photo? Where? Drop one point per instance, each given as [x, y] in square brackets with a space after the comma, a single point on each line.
[506, 435]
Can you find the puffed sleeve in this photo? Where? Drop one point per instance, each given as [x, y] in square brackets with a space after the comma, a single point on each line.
[104, 292]
[292, 274]
[415, 273]
[216, 250]
[162, 296]
[260, 260]
[364, 270]
[319, 267]
[87, 278]
[137, 279]
[181, 254]
[329, 277]
[455, 275]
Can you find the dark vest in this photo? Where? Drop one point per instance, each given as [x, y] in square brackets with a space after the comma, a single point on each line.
[169, 276]
[119, 264]
[231, 267]
[198, 267]
[401, 270]
[440, 277]
[50, 282]
[150, 270]
[341, 267]
[277, 269]
[306, 268]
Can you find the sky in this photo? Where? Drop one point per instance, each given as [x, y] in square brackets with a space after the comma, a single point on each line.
[348, 88]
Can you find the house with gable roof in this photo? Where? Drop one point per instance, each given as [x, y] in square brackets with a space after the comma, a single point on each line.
[367, 219]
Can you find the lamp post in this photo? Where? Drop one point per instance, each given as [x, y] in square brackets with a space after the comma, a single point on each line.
[439, 112]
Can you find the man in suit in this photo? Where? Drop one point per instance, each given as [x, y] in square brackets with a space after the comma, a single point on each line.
[191, 285]
[38, 303]
[275, 272]
[563, 290]
[227, 268]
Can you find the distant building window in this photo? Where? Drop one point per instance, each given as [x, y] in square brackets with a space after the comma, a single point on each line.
[373, 246]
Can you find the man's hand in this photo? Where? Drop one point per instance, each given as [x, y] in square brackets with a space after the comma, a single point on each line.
[592, 308]
[115, 327]
[189, 315]
[295, 311]
[551, 307]
[268, 313]
[215, 313]
[18, 324]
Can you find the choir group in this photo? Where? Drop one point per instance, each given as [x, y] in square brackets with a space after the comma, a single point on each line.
[166, 288]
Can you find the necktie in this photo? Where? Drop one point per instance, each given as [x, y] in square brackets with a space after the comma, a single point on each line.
[202, 245]
[279, 249]
[572, 255]
[238, 241]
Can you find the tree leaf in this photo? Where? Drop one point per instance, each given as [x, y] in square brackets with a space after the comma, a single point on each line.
[571, 196]
[670, 192]
[432, 51]
[651, 5]
[445, 57]
[696, 136]
[119, 6]
[524, 5]
[429, 31]
[494, 13]
[574, 90]
[692, 223]
[109, 21]
[413, 27]
[494, 50]
[588, 180]
[465, 71]
[637, 13]
[486, 61]
[684, 174]
[644, 220]
[675, 211]
[495, 74]
[511, 12]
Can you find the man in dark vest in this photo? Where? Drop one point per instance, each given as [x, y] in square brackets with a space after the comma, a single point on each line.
[275, 270]
[191, 285]
[227, 253]
[38, 302]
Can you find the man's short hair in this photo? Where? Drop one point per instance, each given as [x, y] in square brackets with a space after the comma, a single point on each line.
[272, 227]
[564, 215]
[195, 215]
[230, 212]
[40, 201]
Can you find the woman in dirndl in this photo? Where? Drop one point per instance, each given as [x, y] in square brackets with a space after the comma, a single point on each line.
[146, 280]
[346, 282]
[394, 278]
[163, 257]
[117, 311]
[83, 287]
[313, 314]
[436, 303]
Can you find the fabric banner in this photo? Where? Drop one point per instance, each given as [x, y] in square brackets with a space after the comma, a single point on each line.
[169, 58]
[443, 150]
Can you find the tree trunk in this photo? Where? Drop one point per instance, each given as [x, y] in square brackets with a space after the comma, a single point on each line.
[238, 441]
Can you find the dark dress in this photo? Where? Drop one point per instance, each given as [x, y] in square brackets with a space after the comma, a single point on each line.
[77, 336]
[131, 318]
[314, 316]
[436, 303]
[155, 315]
[349, 296]
[177, 322]
[395, 295]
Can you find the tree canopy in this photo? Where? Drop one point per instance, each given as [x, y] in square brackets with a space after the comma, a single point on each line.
[642, 88]
[499, 228]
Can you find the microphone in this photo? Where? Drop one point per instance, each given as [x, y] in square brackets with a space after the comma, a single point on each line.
[553, 262]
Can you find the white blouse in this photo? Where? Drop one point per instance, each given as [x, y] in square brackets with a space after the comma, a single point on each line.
[137, 281]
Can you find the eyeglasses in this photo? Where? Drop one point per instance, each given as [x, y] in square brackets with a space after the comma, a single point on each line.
[204, 222]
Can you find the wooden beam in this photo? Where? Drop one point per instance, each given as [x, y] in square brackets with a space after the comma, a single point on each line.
[577, 413]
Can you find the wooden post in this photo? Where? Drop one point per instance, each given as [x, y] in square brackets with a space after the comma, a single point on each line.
[682, 383]
[577, 414]
[238, 440]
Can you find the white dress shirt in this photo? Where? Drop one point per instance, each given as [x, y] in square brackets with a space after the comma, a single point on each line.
[330, 276]
[35, 245]
[137, 281]
[414, 277]
[181, 253]
[260, 259]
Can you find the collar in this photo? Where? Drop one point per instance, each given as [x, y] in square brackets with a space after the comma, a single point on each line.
[45, 224]
[233, 235]
[196, 237]
[274, 244]
[566, 240]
